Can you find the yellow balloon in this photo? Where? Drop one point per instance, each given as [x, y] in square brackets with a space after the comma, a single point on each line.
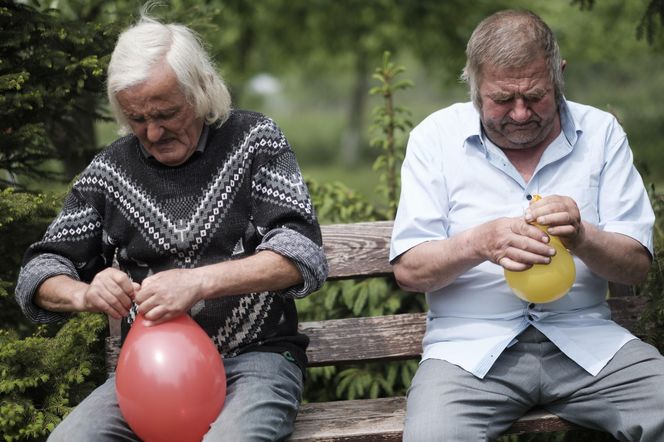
[545, 282]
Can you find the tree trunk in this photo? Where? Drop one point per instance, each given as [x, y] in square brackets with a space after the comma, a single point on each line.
[351, 138]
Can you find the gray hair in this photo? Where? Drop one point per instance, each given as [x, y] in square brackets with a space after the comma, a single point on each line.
[511, 39]
[148, 42]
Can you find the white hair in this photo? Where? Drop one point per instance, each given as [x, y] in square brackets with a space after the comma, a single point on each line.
[149, 42]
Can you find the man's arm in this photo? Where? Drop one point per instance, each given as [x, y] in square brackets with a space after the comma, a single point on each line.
[613, 256]
[509, 242]
[167, 294]
[110, 292]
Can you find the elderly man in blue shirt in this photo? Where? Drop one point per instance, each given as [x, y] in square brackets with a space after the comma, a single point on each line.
[466, 214]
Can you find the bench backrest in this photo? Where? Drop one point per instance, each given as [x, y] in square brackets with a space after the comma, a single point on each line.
[360, 250]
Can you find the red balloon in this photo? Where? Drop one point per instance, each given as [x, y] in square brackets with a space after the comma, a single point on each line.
[170, 380]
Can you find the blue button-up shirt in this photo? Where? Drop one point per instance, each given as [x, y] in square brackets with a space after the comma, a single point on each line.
[453, 178]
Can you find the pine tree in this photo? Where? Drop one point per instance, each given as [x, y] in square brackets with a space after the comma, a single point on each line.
[51, 90]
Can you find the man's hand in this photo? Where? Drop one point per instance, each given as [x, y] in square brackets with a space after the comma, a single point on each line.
[168, 294]
[110, 292]
[561, 217]
[513, 243]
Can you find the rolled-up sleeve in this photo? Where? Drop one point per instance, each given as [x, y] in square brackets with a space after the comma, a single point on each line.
[307, 256]
[32, 275]
[284, 215]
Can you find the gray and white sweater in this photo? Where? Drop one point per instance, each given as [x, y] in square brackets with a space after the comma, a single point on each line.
[243, 192]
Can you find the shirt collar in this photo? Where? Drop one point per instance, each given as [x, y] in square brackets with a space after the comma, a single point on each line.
[200, 147]
[570, 126]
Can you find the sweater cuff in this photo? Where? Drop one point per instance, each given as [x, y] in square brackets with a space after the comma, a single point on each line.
[31, 277]
[307, 256]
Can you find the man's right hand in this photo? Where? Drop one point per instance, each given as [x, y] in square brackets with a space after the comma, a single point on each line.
[513, 243]
[111, 292]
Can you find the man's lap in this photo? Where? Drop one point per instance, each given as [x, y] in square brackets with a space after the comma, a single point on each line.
[262, 398]
[446, 400]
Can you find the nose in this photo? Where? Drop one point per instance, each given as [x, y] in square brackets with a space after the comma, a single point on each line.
[520, 111]
[154, 131]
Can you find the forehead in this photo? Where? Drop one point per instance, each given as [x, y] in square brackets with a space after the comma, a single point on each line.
[160, 90]
[532, 76]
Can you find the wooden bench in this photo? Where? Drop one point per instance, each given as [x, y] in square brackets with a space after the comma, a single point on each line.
[360, 250]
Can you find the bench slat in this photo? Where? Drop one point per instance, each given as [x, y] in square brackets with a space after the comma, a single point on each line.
[382, 420]
[393, 337]
[336, 341]
[358, 249]
[356, 420]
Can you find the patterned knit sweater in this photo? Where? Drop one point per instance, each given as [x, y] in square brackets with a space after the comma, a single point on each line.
[242, 193]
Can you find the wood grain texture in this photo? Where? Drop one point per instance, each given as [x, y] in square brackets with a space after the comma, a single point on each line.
[356, 420]
[361, 250]
[382, 420]
[339, 341]
[358, 249]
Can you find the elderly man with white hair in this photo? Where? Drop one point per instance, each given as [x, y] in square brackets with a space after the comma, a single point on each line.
[206, 213]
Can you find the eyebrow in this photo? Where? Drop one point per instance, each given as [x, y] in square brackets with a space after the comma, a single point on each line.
[157, 114]
[528, 95]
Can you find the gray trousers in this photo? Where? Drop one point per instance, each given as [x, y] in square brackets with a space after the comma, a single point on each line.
[626, 399]
[262, 396]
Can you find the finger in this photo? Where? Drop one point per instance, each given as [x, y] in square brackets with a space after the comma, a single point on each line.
[515, 266]
[562, 231]
[528, 257]
[113, 304]
[115, 296]
[158, 315]
[525, 231]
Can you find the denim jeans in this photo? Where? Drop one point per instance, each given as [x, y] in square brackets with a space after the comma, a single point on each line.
[262, 397]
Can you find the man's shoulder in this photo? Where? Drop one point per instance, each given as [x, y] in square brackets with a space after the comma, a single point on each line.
[585, 112]
[246, 118]
[453, 114]
[461, 118]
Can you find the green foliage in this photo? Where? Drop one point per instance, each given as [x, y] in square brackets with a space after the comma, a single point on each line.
[653, 288]
[42, 377]
[23, 219]
[391, 123]
[652, 19]
[335, 203]
[51, 83]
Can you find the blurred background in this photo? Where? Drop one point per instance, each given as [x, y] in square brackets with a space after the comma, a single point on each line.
[309, 63]
[319, 69]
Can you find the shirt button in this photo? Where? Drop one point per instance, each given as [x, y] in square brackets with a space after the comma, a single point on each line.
[531, 305]
[529, 197]
[530, 317]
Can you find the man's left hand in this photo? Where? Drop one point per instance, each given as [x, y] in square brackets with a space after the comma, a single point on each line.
[168, 294]
[561, 217]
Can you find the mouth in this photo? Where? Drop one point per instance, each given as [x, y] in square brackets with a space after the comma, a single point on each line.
[515, 127]
[164, 143]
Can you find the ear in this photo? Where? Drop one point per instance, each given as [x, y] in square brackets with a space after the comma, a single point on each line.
[562, 65]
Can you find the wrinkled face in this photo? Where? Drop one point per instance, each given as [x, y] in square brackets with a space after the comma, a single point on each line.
[519, 109]
[160, 116]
